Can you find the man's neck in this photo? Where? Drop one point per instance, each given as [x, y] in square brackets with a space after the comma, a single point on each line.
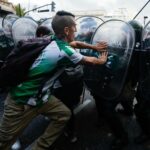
[61, 37]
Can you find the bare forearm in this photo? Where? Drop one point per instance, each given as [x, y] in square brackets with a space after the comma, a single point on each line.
[82, 45]
[93, 60]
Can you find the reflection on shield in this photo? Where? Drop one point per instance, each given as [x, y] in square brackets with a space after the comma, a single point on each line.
[86, 27]
[144, 82]
[24, 28]
[8, 22]
[107, 80]
[48, 23]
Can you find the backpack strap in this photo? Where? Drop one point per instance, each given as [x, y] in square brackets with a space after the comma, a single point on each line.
[48, 83]
[46, 87]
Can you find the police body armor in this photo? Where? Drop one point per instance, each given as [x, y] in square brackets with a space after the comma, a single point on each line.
[6, 45]
[144, 80]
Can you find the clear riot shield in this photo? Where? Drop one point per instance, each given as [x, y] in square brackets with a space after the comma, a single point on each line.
[86, 26]
[7, 23]
[144, 83]
[47, 23]
[107, 80]
[24, 28]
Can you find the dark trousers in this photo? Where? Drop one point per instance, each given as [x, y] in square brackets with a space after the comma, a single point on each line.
[17, 117]
[70, 95]
[106, 110]
[142, 112]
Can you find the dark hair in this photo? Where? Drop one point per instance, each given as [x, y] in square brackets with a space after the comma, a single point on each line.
[64, 13]
[61, 20]
[42, 30]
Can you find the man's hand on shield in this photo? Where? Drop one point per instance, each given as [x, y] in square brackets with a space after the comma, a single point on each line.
[101, 46]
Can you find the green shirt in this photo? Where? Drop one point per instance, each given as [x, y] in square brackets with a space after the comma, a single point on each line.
[56, 55]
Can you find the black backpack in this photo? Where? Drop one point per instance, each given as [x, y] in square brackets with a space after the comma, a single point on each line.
[16, 66]
[71, 75]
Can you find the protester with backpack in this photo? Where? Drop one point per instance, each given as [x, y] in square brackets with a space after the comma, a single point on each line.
[25, 101]
[69, 86]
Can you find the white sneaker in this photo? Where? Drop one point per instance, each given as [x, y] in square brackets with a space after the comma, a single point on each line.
[16, 145]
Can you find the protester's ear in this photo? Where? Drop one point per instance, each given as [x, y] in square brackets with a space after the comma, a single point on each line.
[66, 31]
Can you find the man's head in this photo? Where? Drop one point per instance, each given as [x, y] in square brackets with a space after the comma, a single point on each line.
[42, 30]
[64, 25]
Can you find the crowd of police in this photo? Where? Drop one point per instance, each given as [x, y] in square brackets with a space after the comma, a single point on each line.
[117, 77]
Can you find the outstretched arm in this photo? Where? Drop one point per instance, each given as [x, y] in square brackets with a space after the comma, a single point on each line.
[95, 61]
[100, 46]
